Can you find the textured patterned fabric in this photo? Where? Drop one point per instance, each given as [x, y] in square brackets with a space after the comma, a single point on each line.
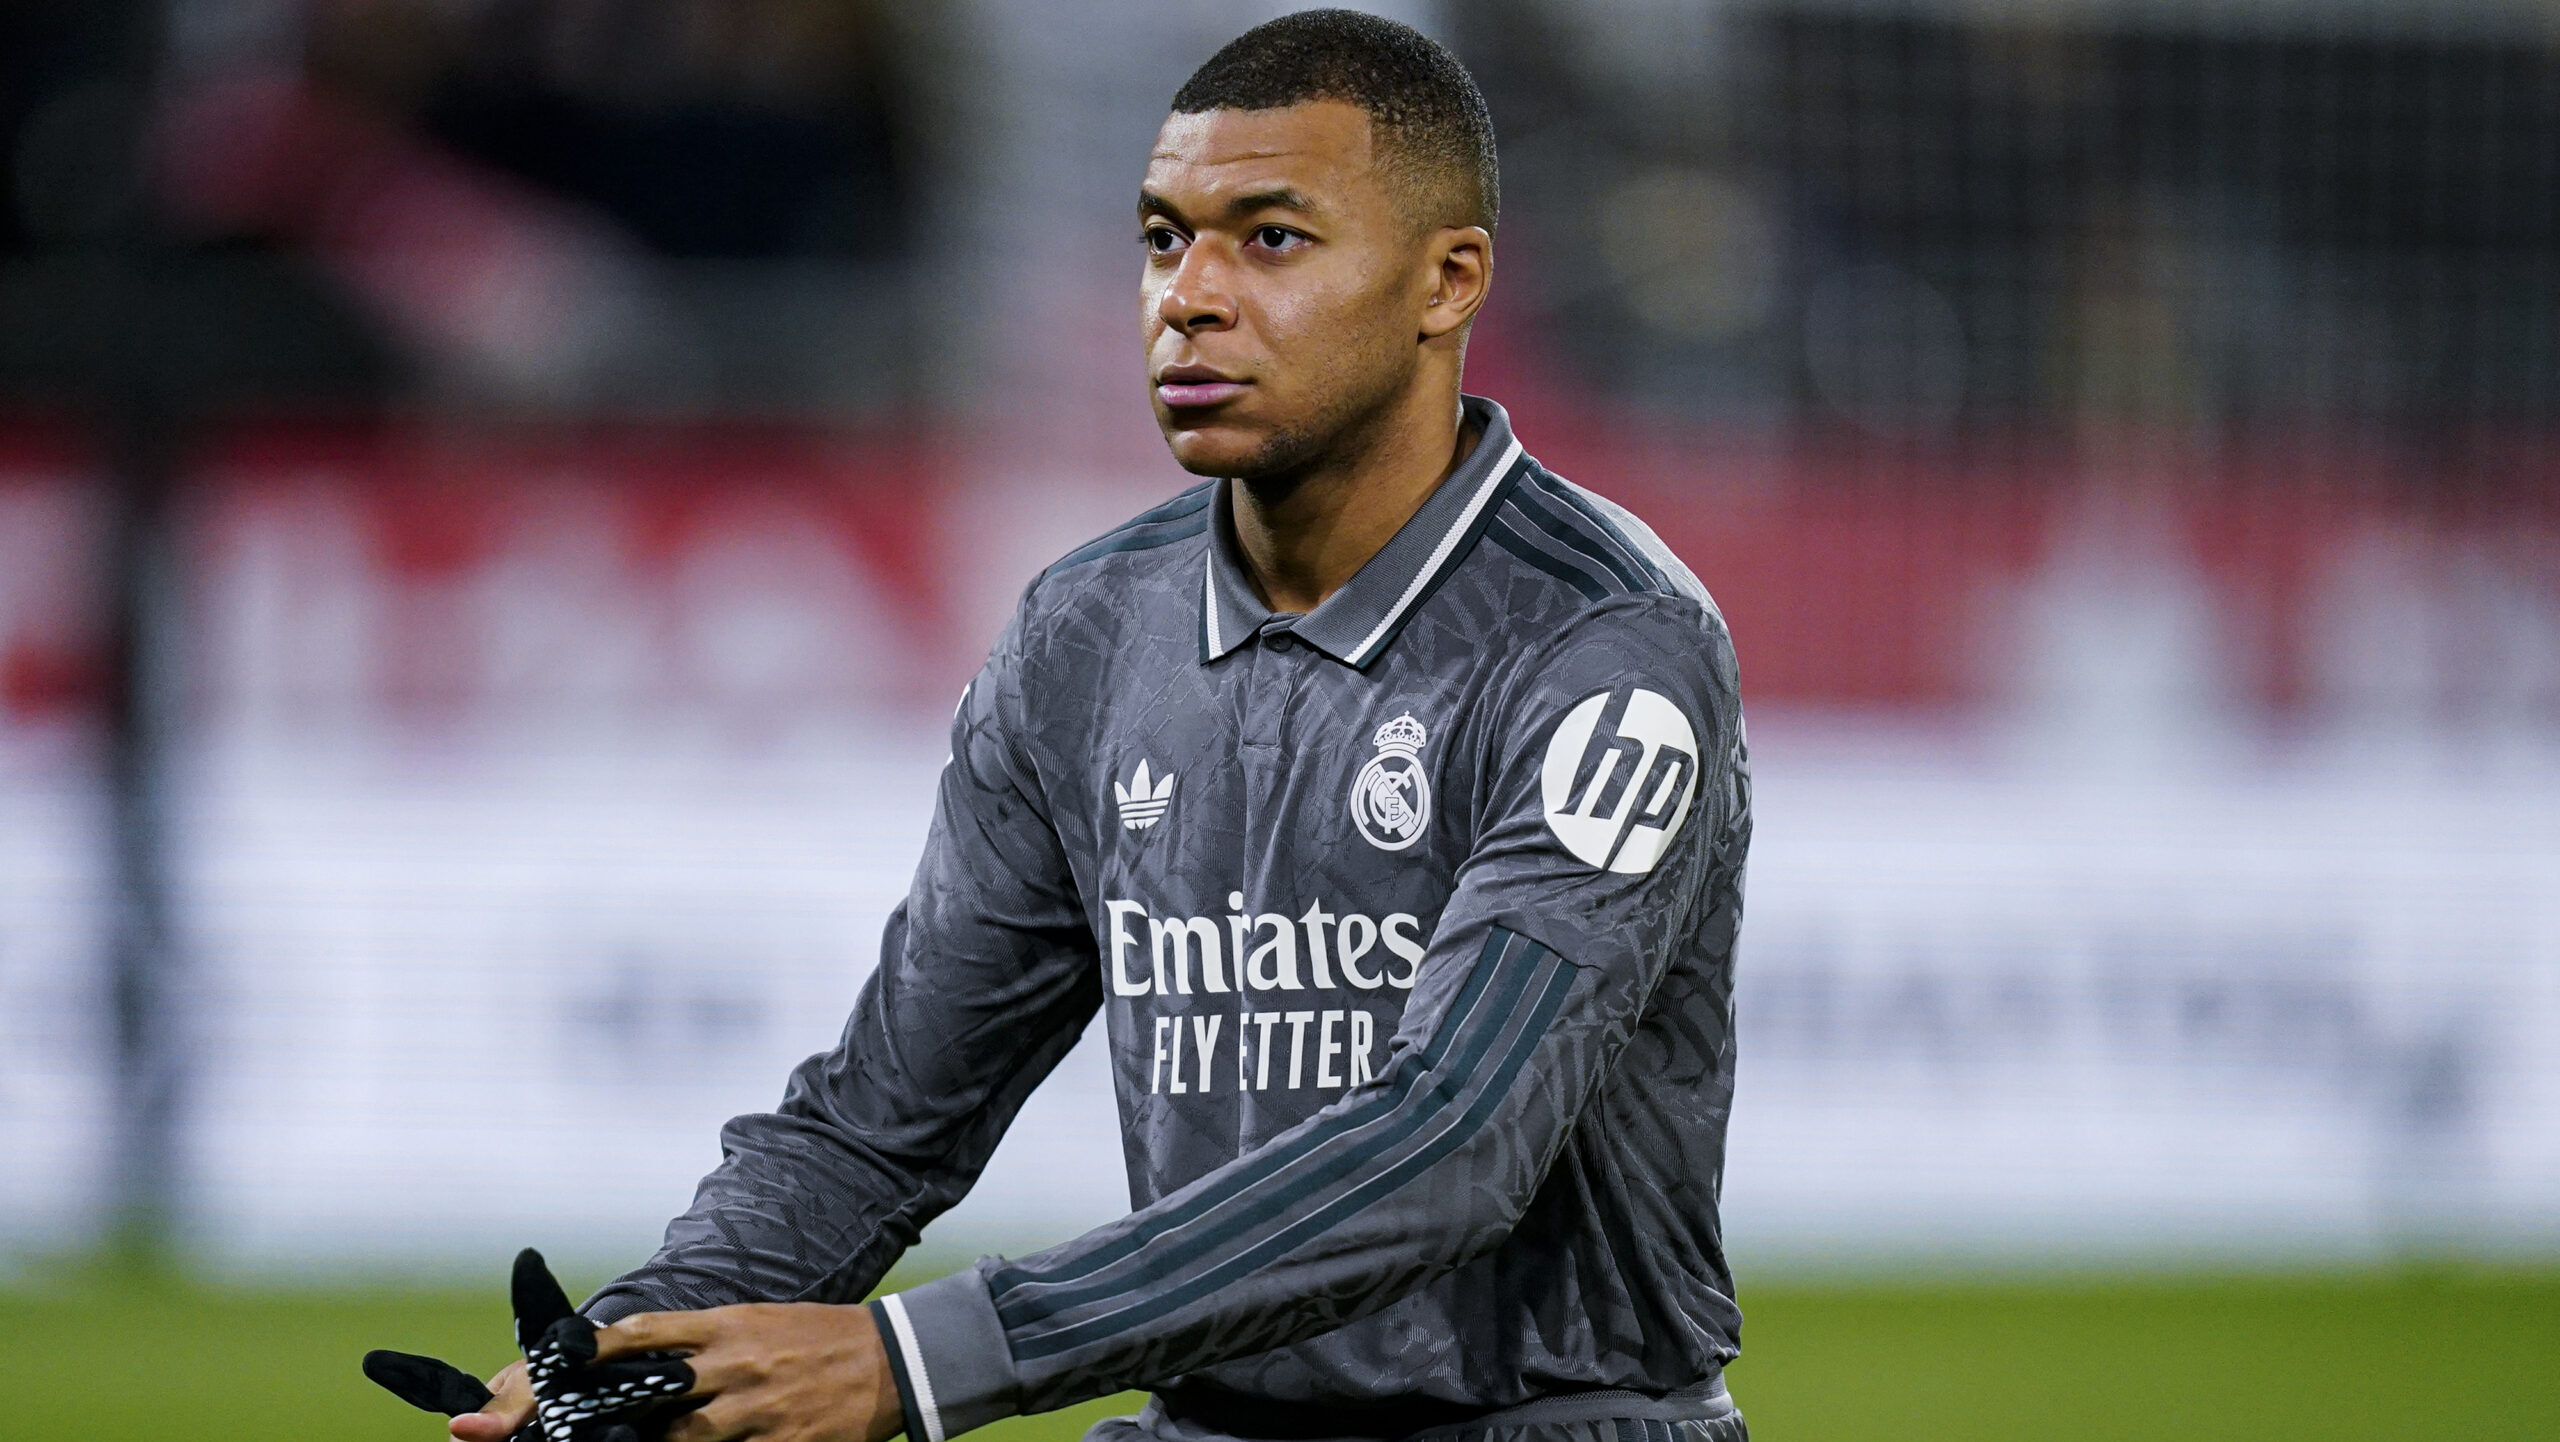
[1715, 1420]
[1412, 924]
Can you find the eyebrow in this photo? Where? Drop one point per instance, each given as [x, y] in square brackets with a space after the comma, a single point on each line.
[1282, 197]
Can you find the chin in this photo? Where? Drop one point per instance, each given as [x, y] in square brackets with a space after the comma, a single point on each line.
[1213, 450]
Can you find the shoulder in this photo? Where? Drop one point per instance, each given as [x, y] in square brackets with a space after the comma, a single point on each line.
[1586, 543]
[1599, 603]
[1137, 584]
[1082, 609]
[1610, 571]
[1142, 540]
[1151, 558]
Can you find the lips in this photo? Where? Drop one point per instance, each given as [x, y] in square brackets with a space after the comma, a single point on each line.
[1191, 387]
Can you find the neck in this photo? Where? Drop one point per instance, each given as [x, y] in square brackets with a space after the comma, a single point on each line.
[1306, 534]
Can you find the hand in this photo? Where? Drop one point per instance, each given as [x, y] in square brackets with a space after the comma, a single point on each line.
[510, 1406]
[561, 1392]
[578, 1396]
[774, 1372]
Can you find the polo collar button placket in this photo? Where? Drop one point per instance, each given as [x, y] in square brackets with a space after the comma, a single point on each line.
[1355, 624]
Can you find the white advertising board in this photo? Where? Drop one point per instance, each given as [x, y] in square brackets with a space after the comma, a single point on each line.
[450, 999]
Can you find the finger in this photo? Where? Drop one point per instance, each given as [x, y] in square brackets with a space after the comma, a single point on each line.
[721, 1419]
[571, 1341]
[539, 1300]
[482, 1427]
[511, 1392]
[614, 1388]
[568, 1346]
[725, 1369]
[509, 1408]
[426, 1383]
[656, 1332]
[650, 1374]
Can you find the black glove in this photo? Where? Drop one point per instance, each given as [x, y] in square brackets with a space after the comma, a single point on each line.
[425, 1383]
[576, 1398]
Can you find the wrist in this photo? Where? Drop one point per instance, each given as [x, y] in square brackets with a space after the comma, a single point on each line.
[949, 1355]
[894, 1402]
[889, 1407]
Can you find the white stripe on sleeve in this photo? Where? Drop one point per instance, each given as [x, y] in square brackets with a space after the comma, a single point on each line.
[916, 1378]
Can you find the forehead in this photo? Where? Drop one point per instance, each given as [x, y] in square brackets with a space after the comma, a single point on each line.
[1321, 147]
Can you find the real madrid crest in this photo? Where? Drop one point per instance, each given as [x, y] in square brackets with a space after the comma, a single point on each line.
[1391, 798]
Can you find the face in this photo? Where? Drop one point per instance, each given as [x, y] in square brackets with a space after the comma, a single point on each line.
[1287, 293]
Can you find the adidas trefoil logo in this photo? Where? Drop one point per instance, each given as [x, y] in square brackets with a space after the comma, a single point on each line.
[1144, 800]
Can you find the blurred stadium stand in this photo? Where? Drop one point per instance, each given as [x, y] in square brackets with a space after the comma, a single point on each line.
[588, 444]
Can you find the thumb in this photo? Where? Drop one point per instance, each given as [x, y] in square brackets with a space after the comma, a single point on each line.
[509, 1408]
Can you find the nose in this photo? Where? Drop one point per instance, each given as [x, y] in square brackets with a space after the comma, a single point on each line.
[1196, 298]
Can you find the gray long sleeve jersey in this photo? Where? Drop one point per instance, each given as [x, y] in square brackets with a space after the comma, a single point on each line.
[1412, 921]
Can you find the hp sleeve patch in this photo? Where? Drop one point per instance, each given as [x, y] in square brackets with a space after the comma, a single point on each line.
[1621, 771]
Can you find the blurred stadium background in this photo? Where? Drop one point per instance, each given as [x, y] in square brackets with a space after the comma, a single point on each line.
[497, 497]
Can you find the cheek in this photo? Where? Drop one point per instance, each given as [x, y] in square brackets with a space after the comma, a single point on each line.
[1294, 314]
[1333, 333]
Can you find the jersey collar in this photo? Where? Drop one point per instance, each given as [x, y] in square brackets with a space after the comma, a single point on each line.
[1356, 623]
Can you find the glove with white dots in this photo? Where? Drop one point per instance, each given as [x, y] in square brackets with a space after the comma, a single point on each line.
[576, 1398]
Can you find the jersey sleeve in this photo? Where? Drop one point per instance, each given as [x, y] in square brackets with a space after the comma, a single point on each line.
[1612, 791]
[987, 976]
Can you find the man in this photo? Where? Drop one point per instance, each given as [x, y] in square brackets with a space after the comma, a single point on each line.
[1386, 794]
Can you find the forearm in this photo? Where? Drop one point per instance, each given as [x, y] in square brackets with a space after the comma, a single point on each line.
[817, 1200]
[784, 1218]
[1423, 1171]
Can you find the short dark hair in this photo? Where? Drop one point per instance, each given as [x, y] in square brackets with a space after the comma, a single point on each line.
[1425, 112]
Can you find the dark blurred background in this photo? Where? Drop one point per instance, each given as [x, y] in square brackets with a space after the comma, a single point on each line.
[496, 497]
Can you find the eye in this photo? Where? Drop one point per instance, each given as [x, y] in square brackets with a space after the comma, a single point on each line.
[1161, 239]
[1277, 237]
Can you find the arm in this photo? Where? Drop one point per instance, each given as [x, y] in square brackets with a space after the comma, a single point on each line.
[986, 977]
[1541, 967]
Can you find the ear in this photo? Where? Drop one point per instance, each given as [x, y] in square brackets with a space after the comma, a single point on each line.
[1460, 261]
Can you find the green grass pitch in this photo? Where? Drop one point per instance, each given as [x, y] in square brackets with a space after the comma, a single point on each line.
[2473, 1355]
